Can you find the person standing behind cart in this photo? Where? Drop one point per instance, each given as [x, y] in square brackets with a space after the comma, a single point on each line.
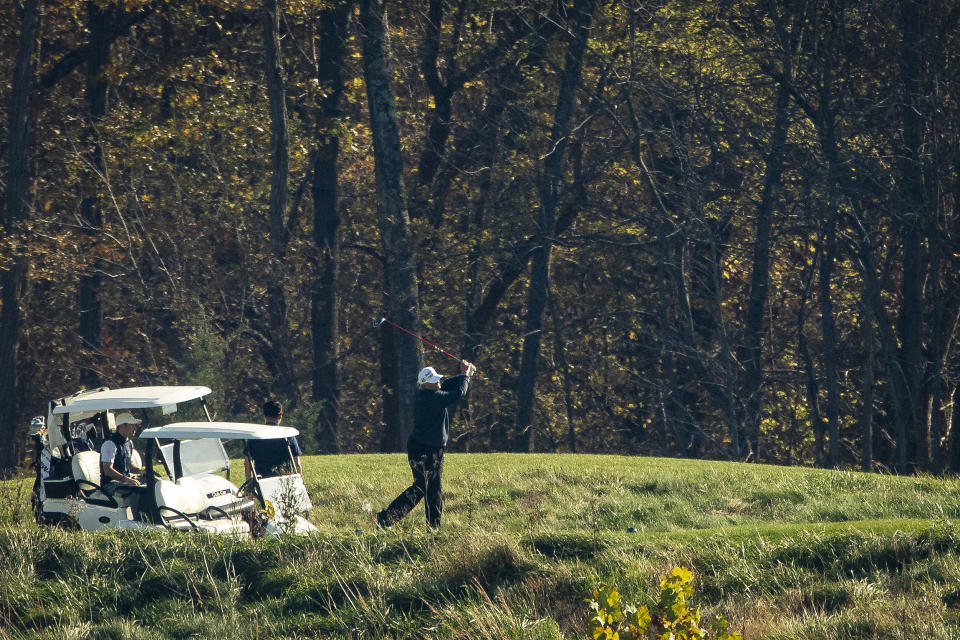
[431, 431]
[273, 457]
[117, 466]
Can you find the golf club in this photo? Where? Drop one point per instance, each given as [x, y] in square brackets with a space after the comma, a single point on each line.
[380, 321]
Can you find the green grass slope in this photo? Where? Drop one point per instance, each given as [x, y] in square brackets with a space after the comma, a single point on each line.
[782, 553]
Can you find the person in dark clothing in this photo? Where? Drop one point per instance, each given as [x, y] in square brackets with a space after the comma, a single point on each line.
[431, 431]
[273, 457]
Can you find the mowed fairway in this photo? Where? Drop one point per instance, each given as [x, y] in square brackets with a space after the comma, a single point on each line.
[780, 552]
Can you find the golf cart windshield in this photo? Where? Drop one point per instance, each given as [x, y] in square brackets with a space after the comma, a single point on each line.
[198, 456]
[201, 448]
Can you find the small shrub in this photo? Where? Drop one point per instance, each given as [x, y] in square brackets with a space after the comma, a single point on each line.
[672, 618]
[287, 506]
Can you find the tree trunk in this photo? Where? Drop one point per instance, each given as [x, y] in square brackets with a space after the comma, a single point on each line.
[392, 438]
[826, 125]
[866, 414]
[560, 353]
[442, 94]
[812, 386]
[100, 23]
[760, 274]
[471, 339]
[913, 443]
[279, 137]
[277, 354]
[11, 434]
[12, 279]
[936, 385]
[400, 281]
[828, 325]
[896, 387]
[18, 180]
[326, 224]
[813, 399]
[955, 429]
[546, 224]
[722, 387]
[670, 278]
[668, 334]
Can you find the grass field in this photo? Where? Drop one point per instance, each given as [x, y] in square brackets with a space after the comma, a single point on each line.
[782, 553]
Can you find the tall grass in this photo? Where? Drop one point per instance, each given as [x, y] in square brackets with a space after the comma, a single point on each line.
[780, 552]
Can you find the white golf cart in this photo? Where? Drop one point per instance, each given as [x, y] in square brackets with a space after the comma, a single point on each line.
[196, 492]
[195, 495]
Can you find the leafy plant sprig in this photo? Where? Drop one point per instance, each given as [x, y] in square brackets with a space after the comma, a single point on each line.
[673, 619]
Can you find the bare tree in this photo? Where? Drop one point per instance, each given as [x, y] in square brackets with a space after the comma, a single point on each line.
[16, 210]
[752, 355]
[401, 293]
[325, 307]
[580, 19]
[913, 441]
[866, 414]
[277, 345]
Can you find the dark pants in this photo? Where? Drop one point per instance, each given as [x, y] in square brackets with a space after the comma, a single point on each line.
[426, 463]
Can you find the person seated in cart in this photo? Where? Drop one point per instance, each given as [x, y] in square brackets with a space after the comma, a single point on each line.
[118, 464]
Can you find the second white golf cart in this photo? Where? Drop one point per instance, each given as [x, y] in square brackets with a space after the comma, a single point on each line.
[193, 491]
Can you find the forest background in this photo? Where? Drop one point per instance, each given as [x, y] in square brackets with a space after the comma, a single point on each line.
[711, 229]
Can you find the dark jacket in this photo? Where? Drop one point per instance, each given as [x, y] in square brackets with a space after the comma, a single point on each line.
[431, 420]
[269, 455]
[121, 459]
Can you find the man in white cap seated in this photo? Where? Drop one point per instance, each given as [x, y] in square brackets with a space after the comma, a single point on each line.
[117, 465]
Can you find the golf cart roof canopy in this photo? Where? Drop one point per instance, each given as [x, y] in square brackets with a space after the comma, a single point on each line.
[132, 398]
[226, 430]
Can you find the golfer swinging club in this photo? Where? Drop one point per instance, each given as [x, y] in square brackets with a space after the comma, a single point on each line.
[431, 430]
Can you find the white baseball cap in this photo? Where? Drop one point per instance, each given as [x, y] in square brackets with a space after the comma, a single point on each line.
[126, 418]
[428, 375]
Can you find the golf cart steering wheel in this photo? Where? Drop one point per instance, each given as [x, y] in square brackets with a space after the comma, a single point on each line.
[250, 486]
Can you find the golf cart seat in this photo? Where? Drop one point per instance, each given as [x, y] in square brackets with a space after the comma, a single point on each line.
[183, 505]
[85, 466]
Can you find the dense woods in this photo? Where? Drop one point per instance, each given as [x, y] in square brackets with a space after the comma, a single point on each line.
[723, 230]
